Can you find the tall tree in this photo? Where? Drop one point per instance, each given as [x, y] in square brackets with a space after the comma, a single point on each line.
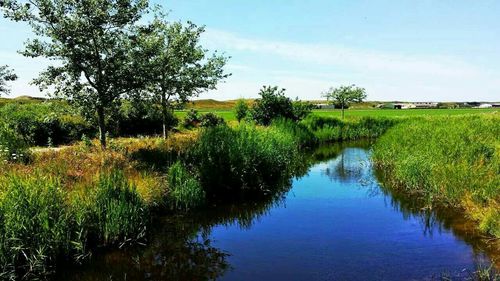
[6, 75]
[343, 96]
[94, 44]
[179, 67]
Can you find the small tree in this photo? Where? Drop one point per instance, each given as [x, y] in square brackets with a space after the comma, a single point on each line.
[345, 95]
[6, 75]
[94, 43]
[241, 109]
[274, 104]
[178, 67]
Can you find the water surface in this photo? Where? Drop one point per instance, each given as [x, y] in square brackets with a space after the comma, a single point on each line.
[336, 222]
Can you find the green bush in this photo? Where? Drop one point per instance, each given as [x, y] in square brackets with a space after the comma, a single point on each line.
[274, 104]
[211, 120]
[37, 123]
[35, 227]
[241, 110]
[192, 119]
[12, 146]
[243, 159]
[185, 192]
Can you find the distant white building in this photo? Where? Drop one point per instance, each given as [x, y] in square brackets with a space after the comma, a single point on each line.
[325, 106]
[425, 104]
[485, 105]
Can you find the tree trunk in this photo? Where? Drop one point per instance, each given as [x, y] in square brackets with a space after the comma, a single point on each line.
[342, 110]
[102, 126]
[164, 115]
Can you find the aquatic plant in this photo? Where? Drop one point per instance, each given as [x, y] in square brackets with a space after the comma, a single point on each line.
[35, 225]
[185, 192]
[117, 211]
[447, 160]
[328, 129]
[244, 158]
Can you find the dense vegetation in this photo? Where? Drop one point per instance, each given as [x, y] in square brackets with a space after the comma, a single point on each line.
[453, 161]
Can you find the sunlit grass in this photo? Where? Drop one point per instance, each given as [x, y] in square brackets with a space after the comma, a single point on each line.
[447, 160]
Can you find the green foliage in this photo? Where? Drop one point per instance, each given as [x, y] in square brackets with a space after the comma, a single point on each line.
[94, 43]
[448, 160]
[6, 75]
[243, 159]
[241, 110]
[345, 95]
[35, 227]
[211, 120]
[327, 129]
[300, 132]
[301, 109]
[12, 146]
[177, 67]
[274, 104]
[36, 123]
[192, 119]
[117, 211]
[185, 192]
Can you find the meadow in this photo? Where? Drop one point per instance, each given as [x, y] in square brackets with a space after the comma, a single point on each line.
[229, 115]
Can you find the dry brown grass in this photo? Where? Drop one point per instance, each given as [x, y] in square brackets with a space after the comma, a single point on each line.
[78, 167]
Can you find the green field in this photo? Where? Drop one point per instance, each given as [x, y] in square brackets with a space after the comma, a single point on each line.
[228, 115]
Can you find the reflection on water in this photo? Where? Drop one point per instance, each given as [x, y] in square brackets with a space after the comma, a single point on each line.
[333, 221]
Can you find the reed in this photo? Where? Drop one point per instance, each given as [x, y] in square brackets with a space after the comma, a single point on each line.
[447, 160]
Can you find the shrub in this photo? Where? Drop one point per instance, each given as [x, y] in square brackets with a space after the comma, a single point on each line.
[36, 123]
[12, 146]
[274, 104]
[35, 227]
[243, 159]
[185, 190]
[192, 119]
[241, 109]
[211, 120]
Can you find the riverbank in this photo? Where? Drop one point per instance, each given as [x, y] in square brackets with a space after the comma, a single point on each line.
[91, 199]
[452, 161]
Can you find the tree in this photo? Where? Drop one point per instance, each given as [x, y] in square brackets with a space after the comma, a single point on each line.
[6, 75]
[93, 42]
[345, 95]
[179, 68]
[241, 109]
[274, 104]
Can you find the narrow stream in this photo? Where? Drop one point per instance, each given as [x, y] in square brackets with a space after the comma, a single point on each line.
[335, 223]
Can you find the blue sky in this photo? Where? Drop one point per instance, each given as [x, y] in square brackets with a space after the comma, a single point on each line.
[398, 50]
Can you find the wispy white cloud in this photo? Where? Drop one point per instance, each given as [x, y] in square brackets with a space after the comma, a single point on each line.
[386, 75]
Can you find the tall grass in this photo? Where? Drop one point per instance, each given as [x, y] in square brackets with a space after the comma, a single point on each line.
[41, 224]
[328, 129]
[245, 158]
[120, 213]
[185, 190]
[35, 225]
[447, 160]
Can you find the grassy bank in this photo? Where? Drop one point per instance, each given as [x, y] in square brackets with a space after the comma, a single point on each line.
[63, 203]
[447, 160]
